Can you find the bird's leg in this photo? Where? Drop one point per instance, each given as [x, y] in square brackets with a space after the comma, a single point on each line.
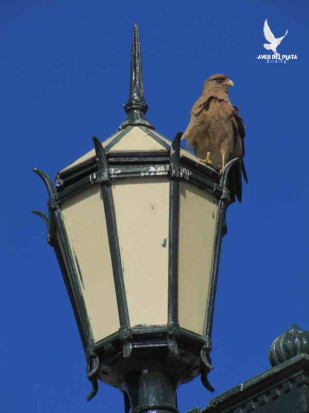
[207, 159]
[223, 155]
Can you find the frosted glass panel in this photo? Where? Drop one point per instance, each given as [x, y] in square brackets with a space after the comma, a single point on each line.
[197, 219]
[142, 209]
[84, 220]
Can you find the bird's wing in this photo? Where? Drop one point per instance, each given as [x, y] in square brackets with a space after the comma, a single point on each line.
[239, 123]
[239, 136]
[201, 104]
[197, 117]
[281, 38]
[200, 118]
[268, 33]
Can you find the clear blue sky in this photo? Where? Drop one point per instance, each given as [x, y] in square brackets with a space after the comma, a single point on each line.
[64, 68]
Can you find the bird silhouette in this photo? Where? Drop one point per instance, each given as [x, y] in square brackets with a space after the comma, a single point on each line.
[269, 36]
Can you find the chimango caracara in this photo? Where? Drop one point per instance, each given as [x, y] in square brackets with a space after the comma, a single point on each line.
[216, 131]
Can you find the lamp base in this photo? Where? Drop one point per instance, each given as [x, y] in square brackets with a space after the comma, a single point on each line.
[151, 391]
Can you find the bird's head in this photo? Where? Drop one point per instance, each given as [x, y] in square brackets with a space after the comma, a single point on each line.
[219, 81]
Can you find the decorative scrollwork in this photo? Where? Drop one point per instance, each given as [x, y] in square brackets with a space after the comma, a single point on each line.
[41, 215]
[206, 367]
[92, 370]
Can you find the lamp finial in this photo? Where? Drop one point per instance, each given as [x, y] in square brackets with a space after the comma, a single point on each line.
[136, 107]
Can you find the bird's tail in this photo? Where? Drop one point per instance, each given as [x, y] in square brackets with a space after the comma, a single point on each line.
[243, 170]
[236, 179]
[267, 46]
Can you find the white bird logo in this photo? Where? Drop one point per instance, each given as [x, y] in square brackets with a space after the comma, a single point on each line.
[273, 42]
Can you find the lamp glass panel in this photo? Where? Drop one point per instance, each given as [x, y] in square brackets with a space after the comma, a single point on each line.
[85, 224]
[142, 210]
[197, 223]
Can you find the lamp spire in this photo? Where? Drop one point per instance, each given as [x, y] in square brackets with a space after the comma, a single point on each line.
[136, 107]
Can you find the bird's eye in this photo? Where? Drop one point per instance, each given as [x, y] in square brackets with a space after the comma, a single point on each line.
[220, 79]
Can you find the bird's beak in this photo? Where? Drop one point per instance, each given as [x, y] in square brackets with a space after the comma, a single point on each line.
[229, 82]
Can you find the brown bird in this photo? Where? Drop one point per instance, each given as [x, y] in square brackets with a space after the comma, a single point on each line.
[216, 131]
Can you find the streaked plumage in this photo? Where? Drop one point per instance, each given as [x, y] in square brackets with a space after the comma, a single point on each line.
[216, 130]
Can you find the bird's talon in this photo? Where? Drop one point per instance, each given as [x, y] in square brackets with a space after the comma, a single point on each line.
[207, 159]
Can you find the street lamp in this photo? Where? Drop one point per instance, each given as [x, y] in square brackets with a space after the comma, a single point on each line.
[136, 224]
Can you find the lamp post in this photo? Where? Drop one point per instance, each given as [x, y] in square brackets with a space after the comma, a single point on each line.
[137, 224]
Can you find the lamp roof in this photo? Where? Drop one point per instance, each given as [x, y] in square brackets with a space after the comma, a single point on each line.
[134, 139]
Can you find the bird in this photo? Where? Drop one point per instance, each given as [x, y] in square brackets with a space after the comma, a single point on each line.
[269, 36]
[216, 131]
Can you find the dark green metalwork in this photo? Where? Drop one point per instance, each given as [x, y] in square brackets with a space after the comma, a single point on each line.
[117, 138]
[81, 318]
[124, 159]
[152, 390]
[173, 244]
[127, 158]
[52, 203]
[75, 188]
[154, 336]
[74, 172]
[156, 137]
[103, 177]
[68, 267]
[102, 170]
[47, 181]
[92, 372]
[224, 201]
[136, 106]
[131, 165]
[120, 171]
[128, 165]
[115, 172]
[41, 215]
[291, 343]
[281, 389]
[73, 277]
